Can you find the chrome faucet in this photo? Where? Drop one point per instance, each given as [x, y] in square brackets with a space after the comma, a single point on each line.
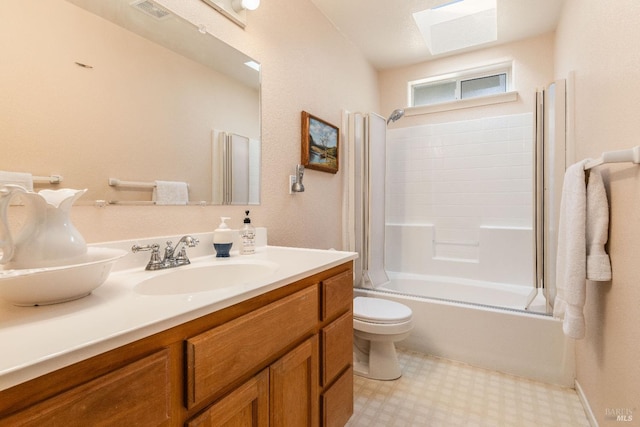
[170, 259]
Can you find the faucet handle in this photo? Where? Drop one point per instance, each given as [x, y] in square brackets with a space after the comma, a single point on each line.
[154, 261]
[168, 250]
[154, 248]
[190, 241]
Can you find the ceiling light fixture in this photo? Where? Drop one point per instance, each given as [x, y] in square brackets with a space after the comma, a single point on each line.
[235, 10]
[239, 5]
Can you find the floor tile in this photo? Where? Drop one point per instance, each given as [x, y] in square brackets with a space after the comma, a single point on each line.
[437, 392]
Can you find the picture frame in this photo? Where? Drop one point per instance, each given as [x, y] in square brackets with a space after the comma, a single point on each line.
[320, 144]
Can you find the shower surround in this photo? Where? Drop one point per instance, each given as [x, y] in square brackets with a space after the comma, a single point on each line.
[460, 200]
[457, 242]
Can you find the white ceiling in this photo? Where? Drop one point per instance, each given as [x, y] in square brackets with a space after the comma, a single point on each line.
[385, 32]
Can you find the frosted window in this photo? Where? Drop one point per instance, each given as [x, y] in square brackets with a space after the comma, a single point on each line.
[483, 86]
[463, 84]
[434, 93]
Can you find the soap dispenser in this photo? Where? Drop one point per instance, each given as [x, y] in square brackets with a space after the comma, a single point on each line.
[222, 239]
[248, 236]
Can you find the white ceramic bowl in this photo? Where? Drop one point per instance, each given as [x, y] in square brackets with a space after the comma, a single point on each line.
[51, 285]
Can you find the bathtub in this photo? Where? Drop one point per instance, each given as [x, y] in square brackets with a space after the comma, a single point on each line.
[524, 344]
[455, 289]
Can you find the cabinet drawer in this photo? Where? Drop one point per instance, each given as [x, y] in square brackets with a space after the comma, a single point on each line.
[337, 294]
[337, 401]
[222, 355]
[337, 347]
[138, 394]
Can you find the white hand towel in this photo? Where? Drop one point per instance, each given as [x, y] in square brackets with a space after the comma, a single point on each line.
[23, 179]
[571, 258]
[171, 193]
[598, 263]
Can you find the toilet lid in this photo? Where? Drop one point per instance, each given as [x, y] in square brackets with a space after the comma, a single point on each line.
[377, 310]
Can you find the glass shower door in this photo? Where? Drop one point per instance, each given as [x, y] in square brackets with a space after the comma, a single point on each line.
[550, 166]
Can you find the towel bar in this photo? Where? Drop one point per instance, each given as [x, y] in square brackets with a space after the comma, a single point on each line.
[52, 179]
[114, 182]
[457, 242]
[132, 202]
[631, 155]
[102, 203]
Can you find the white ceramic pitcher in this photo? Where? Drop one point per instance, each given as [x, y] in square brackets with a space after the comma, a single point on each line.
[47, 238]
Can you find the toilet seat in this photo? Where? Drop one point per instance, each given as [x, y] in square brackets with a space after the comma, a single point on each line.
[381, 329]
[380, 311]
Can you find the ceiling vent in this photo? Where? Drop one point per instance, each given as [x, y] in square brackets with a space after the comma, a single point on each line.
[152, 9]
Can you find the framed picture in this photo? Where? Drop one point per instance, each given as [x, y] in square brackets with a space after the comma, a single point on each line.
[320, 144]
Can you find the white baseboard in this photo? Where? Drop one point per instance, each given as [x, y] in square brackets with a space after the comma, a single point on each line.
[585, 404]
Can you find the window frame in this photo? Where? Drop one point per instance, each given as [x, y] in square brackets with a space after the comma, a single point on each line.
[460, 76]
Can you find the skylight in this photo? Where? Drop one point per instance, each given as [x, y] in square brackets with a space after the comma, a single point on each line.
[458, 24]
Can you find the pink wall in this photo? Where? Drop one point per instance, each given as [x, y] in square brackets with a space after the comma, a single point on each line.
[598, 41]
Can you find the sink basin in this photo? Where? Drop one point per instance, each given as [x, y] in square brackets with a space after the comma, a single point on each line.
[208, 277]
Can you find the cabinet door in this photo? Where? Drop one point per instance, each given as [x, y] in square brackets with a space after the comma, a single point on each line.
[294, 387]
[135, 395]
[337, 347]
[248, 405]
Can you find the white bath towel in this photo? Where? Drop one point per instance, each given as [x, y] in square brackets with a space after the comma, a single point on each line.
[571, 258]
[598, 263]
[171, 193]
[23, 179]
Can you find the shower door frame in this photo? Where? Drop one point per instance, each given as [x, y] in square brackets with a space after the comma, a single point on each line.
[369, 208]
[550, 157]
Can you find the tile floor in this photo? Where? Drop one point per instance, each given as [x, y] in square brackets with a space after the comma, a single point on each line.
[437, 392]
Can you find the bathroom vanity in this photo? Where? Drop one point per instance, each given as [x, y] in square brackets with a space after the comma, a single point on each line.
[276, 351]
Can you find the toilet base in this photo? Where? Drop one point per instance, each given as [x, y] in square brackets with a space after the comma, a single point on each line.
[376, 360]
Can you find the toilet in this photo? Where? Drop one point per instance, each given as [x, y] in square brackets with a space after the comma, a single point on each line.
[377, 325]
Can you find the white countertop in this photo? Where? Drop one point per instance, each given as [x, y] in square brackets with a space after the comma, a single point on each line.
[39, 340]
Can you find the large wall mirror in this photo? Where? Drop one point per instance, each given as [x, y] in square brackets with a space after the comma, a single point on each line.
[122, 89]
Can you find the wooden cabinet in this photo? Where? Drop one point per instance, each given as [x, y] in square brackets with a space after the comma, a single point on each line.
[282, 358]
[137, 394]
[218, 357]
[337, 349]
[284, 394]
